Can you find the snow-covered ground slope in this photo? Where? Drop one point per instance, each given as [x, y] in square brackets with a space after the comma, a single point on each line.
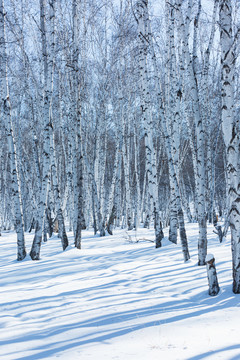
[116, 299]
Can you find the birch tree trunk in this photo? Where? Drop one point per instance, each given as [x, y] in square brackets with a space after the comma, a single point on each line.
[231, 135]
[48, 73]
[206, 113]
[143, 36]
[77, 134]
[111, 207]
[6, 117]
[126, 165]
[56, 191]
[173, 116]
[199, 129]
[96, 174]
[138, 192]
[60, 218]
[212, 275]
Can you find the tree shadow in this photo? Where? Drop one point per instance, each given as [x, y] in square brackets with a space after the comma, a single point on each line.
[137, 317]
[216, 352]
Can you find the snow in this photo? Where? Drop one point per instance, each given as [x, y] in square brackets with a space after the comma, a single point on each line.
[117, 298]
[209, 257]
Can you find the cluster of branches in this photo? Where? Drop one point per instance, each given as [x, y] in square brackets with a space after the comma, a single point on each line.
[113, 117]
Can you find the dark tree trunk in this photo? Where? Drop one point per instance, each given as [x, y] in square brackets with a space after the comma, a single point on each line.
[111, 220]
[183, 235]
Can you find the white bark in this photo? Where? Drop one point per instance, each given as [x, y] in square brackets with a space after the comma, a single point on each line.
[111, 207]
[58, 205]
[199, 130]
[212, 275]
[6, 117]
[126, 165]
[138, 192]
[231, 135]
[77, 133]
[48, 74]
[143, 34]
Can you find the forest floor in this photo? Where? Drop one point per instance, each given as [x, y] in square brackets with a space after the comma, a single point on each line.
[116, 299]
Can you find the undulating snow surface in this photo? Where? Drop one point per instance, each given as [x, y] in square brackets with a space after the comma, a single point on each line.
[116, 299]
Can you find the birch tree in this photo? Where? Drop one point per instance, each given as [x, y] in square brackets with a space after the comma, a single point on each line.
[141, 14]
[7, 119]
[231, 131]
[77, 133]
[191, 68]
[47, 97]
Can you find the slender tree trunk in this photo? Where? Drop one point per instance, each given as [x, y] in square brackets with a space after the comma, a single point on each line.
[48, 73]
[137, 196]
[199, 130]
[6, 117]
[212, 275]
[127, 186]
[231, 135]
[111, 207]
[60, 218]
[143, 36]
[77, 131]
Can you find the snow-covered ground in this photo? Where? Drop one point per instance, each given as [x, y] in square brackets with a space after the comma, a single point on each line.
[116, 299]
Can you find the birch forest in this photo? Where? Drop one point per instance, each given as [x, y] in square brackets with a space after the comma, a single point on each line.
[120, 113]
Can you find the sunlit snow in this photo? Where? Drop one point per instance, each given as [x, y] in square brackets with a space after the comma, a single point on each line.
[117, 298]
